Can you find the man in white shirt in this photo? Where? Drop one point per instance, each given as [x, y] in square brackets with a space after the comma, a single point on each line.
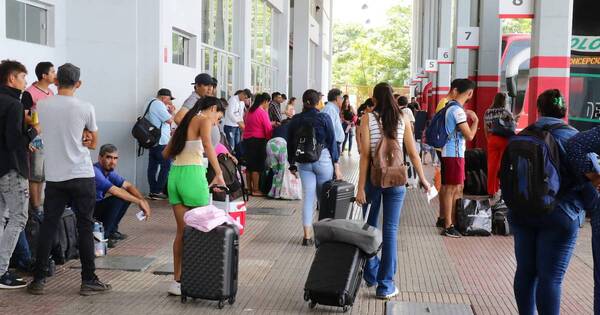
[70, 131]
[234, 117]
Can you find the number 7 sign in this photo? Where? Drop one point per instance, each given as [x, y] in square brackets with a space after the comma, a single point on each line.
[467, 38]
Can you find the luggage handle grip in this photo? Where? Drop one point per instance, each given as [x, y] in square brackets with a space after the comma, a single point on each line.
[365, 217]
[224, 188]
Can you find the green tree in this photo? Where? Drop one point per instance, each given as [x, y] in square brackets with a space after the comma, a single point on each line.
[366, 56]
[516, 26]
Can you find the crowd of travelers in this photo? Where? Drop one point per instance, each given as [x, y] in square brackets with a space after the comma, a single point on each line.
[264, 133]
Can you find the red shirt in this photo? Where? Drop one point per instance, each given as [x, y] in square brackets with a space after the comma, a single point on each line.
[257, 125]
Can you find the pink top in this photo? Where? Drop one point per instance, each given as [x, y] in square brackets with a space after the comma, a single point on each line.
[37, 95]
[257, 125]
[207, 218]
[220, 148]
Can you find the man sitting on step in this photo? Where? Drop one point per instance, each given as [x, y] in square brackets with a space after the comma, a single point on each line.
[111, 209]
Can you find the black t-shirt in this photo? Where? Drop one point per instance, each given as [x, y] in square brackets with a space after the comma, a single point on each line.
[27, 101]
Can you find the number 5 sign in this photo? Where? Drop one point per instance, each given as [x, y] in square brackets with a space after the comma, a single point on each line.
[431, 65]
[516, 9]
[467, 38]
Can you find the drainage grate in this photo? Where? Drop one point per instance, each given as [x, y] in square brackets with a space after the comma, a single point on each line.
[270, 211]
[125, 263]
[411, 308]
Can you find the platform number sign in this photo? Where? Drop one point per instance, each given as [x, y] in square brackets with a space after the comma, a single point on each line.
[431, 65]
[516, 9]
[467, 38]
[444, 56]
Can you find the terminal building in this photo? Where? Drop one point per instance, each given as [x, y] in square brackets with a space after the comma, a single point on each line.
[127, 50]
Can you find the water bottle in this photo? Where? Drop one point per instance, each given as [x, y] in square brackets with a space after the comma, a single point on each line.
[99, 241]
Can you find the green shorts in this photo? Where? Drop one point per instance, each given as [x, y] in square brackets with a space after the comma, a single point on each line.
[187, 185]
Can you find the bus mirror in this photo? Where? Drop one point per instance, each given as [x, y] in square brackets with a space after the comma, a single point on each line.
[511, 86]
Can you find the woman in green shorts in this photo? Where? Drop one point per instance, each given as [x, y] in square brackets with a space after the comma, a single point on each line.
[187, 183]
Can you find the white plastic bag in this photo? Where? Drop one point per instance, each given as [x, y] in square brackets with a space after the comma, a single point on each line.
[291, 187]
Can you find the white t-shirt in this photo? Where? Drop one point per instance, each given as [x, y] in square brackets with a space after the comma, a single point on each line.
[63, 118]
[234, 112]
[409, 114]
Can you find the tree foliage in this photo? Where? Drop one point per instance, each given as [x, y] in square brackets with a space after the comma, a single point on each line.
[516, 26]
[364, 56]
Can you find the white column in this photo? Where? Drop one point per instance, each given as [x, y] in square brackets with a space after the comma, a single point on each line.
[242, 43]
[301, 57]
[282, 44]
[445, 41]
[461, 56]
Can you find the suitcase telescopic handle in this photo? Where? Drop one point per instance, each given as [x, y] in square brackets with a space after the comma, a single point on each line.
[224, 188]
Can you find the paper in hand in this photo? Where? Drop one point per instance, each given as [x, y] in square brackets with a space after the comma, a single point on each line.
[431, 194]
[141, 216]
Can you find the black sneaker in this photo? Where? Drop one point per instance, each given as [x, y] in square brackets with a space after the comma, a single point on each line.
[10, 281]
[440, 222]
[93, 287]
[308, 242]
[451, 232]
[36, 287]
[111, 243]
[118, 236]
[13, 275]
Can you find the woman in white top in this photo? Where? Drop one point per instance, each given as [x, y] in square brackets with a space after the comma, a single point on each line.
[187, 184]
[394, 125]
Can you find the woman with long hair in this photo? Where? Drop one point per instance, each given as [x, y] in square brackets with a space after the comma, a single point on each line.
[313, 175]
[187, 184]
[258, 130]
[386, 120]
[496, 142]
[348, 122]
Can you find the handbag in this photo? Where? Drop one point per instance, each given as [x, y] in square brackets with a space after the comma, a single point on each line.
[146, 134]
[504, 126]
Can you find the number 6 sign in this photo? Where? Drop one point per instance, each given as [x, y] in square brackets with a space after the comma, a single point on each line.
[467, 38]
[516, 9]
[444, 56]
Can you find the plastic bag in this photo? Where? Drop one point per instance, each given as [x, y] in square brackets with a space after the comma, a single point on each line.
[474, 217]
[291, 187]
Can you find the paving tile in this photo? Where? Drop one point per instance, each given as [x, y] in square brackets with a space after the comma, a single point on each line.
[473, 271]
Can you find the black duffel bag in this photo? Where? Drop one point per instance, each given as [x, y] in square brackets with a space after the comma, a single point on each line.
[146, 134]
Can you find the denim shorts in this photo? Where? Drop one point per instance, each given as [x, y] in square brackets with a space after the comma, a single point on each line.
[36, 166]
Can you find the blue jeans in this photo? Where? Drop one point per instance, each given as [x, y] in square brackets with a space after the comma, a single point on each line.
[110, 211]
[155, 159]
[543, 248]
[382, 270]
[313, 176]
[21, 256]
[596, 254]
[233, 135]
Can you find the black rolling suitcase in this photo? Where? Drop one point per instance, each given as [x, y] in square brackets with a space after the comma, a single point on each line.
[335, 275]
[210, 264]
[335, 199]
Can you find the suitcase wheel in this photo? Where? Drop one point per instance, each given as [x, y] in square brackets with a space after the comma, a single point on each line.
[306, 296]
[221, 304]
[346, 308]
[312, 304]
[342, 301]
[183, 299]
[231, 300]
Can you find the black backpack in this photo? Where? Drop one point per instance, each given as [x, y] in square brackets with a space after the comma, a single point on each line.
[234, 182]
[530, 177]
[307, 148]
[146, 134]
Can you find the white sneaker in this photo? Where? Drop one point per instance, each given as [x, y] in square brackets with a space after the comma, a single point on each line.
[175, 288]
[389, 296]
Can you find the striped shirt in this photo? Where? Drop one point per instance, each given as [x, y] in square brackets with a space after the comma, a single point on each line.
[375, 133]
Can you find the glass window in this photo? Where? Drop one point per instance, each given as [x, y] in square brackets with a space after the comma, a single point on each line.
[263, 71]
[217, 23]
[26, 22]
[181, 49]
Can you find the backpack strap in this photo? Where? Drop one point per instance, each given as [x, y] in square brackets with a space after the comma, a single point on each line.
[148, 107]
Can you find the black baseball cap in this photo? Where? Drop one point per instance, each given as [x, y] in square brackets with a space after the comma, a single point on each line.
[215, 82]
[165, 92]
[203, 79]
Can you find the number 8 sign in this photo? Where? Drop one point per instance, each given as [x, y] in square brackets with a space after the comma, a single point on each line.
[467, 38]
[516, 9]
